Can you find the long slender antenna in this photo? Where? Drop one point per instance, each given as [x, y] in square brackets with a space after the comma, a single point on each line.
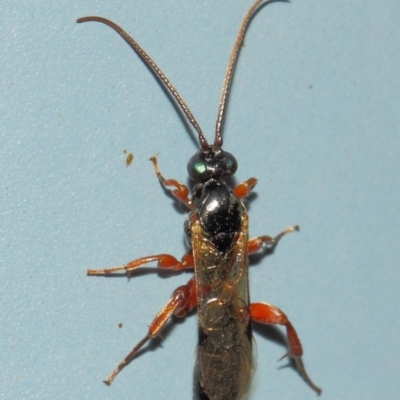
[229, 73]
[153, 66]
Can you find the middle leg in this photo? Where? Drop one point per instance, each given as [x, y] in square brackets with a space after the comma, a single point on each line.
[164, 261]
[255, 244]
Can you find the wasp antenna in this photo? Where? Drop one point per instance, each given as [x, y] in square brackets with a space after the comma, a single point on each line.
[229, 73]
[153, 66]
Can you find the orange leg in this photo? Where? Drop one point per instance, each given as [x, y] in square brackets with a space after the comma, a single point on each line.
[164, 261]
[183, 300]
[255, 244]
[244, 188]
[181, 191]
[268, 314]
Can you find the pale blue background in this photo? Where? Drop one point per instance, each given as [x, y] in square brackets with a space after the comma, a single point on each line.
[314, 114]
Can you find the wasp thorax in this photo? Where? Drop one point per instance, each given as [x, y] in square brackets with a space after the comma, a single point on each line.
[211, 163]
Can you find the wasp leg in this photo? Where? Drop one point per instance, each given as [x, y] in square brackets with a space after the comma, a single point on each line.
[255, 244]
[181, 192]
[164, 261]
[244, 188]
[268, 314]
[183, 300]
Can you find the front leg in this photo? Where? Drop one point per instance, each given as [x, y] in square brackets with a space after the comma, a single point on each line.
[268, 314]
[243, 189]
[181, 192]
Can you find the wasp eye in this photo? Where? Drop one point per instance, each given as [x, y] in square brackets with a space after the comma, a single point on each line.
[197, 167]
[229, 164]
[200, 167]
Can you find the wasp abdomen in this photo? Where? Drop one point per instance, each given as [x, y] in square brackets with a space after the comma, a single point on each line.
[224, 351]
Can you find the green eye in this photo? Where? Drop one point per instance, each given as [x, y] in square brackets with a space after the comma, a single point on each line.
[229, 164]
[200, 168]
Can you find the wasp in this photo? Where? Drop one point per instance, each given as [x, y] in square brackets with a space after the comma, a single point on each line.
[217, 229]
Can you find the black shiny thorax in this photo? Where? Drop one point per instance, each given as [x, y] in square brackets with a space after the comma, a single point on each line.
[220, 212]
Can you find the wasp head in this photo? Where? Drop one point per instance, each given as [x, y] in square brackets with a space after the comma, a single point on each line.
[211, 163]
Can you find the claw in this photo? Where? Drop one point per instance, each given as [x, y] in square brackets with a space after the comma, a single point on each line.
[284, 356]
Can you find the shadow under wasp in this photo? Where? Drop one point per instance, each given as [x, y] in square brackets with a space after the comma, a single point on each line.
[217, 232]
